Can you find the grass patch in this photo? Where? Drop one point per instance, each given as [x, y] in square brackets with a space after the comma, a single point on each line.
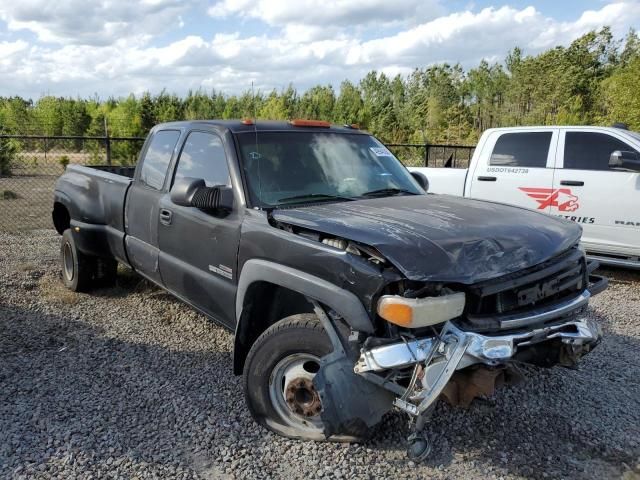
[631, 474]
[9, 195]
[131, 281]
[27, 267]
[53, 290]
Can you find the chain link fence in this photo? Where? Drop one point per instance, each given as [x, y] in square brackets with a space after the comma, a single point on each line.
[426, 155]
[30, 165]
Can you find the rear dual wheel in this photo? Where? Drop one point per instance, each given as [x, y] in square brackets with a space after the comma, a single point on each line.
[81, 272]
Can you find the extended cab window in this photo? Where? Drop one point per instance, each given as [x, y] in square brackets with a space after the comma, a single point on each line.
[203, 157]
[157, 158]
[590, 150]
[526, 149]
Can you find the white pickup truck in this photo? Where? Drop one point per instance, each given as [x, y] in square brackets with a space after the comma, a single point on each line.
[590, 175]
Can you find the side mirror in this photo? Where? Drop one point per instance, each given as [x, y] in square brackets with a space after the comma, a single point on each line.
[193, 192]
[625, 160]
[422, 180]
[184, 189]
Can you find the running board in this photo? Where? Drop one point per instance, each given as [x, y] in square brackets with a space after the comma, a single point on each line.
[616, 262]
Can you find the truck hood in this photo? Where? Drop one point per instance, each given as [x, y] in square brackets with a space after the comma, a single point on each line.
[440, 237]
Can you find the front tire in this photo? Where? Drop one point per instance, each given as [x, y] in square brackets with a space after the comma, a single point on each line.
[278, 377]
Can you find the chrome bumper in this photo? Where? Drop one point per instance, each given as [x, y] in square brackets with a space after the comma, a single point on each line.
[456, 349]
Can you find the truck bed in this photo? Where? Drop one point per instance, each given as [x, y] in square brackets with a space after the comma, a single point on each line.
[95, 197]
[115, 169]
[449, 181]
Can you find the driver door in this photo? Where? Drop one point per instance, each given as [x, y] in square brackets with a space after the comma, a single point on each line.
[198, 249]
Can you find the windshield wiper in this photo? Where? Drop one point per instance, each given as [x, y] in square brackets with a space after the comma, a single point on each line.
[315, 197]
[388, 191]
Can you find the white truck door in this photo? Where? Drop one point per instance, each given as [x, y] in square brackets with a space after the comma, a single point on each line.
[516, 168]
[603, 200]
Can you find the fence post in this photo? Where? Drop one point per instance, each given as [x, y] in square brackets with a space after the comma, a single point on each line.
[426, 155]
[107, 144]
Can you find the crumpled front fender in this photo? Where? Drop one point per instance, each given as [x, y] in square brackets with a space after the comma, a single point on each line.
[350, 404]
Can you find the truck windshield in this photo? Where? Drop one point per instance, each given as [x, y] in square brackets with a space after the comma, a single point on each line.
[284, 168]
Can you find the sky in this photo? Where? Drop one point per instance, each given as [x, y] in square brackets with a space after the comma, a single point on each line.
[116, 47]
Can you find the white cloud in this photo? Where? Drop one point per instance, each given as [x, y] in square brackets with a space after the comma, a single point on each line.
[342, 13]
[8, 49]
[459, 37]
[91, 23]
[297, 52]
[619, 15]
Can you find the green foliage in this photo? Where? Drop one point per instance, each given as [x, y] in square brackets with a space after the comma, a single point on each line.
[47, 114]
[317, 103]
[594, 80]
[9, 195]
[8, 152]
[621, 95]
[64, 161]
[349, 105]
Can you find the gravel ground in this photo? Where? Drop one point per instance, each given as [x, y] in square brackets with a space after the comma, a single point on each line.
[129, 383]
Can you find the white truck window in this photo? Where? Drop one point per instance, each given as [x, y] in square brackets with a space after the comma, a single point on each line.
[522, 149]
[590, 150]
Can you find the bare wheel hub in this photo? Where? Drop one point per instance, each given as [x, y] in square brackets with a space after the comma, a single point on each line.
[293, 395]
[302, 397]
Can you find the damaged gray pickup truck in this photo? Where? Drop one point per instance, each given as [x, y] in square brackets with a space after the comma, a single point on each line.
[350, 289]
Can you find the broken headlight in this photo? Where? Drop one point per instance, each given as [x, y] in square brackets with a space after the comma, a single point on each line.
[421, 312]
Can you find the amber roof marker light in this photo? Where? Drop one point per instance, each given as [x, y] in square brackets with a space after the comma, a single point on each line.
[248, 121]
[300, 122]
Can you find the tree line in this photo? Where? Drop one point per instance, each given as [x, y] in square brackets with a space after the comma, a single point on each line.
[595, 80]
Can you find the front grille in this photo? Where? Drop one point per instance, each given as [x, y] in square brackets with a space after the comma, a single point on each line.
[561, 277]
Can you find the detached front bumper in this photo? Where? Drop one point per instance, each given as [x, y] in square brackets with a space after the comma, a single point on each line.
[438, 358]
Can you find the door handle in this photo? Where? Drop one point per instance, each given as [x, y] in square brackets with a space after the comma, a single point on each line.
[487, 179]
[165, 216]
[572, 183]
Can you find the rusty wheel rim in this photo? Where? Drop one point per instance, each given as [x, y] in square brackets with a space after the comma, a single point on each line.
[292, 392]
